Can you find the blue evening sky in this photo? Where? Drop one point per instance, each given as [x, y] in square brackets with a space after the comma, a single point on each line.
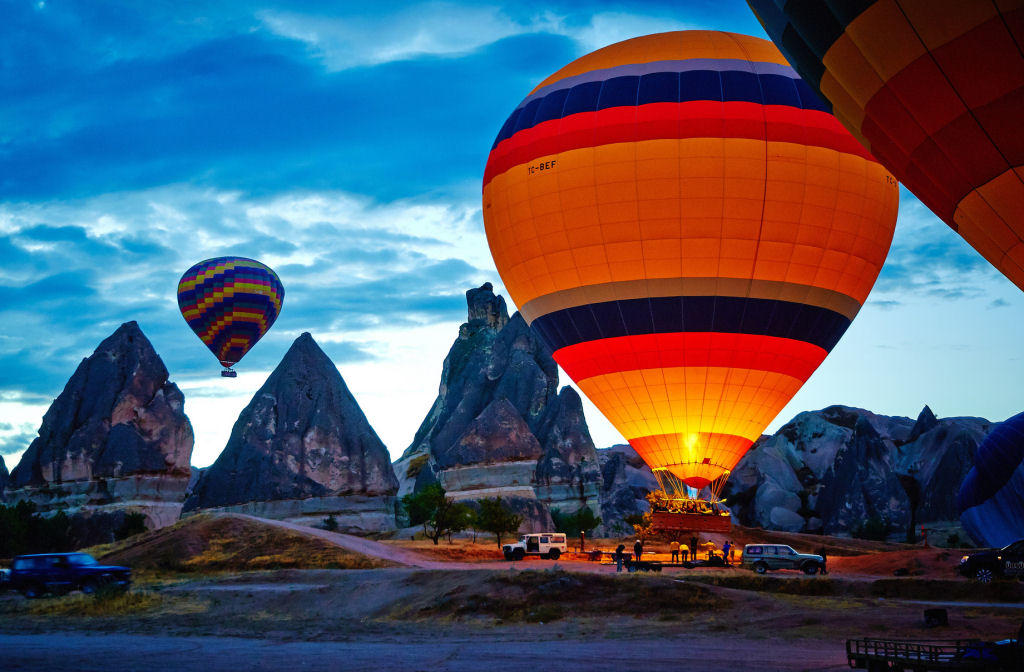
[343, 144]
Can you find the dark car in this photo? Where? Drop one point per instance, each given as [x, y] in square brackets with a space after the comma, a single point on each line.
[35, 575]
[989, 564]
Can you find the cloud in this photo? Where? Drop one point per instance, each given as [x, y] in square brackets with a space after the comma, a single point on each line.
[349, 264]
[928, 260]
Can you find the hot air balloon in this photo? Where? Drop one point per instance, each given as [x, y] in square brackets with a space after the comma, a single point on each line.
[935, 91]
[991, 499]
[689, 230]
[230, 302]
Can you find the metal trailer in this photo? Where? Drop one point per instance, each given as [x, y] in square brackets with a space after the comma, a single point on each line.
[876, 655]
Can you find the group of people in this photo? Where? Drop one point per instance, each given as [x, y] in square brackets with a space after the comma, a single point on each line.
[679, 552]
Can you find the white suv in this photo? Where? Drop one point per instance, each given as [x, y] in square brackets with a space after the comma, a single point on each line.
[546, 545]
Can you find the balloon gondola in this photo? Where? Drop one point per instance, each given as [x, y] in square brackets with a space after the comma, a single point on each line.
[230, 303]
[687, 228]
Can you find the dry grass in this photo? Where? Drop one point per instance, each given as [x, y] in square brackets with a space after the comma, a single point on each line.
[544, 596]
[485, 549]
[211, 543]
[104, 604]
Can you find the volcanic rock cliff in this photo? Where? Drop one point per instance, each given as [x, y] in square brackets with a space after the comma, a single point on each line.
[839, 469]
[499, 425]
[116, 439]
[303, 450]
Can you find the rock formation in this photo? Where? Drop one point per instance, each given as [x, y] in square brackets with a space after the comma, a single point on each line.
[3, 477]
[836, 469]
[115, 440]
[626, 480]
[303, 450]
[499, 425]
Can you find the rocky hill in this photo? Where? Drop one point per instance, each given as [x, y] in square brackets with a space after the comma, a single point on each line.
[4, 475]
[500, 426]
[303, 450]
[116, 439]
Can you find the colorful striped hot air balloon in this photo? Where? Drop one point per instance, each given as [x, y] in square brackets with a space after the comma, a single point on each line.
[690, 232]
[935, 90]
[230, 302]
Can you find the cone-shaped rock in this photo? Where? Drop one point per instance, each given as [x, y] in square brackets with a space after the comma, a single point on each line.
[302, 448]
[117, 437]
[926, 421]
[499, 425]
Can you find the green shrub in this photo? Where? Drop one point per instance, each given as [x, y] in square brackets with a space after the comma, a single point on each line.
[134, 523]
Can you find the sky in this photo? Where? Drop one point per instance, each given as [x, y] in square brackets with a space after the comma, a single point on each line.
[343, 144]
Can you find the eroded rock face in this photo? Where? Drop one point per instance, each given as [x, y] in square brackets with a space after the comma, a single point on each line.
[499, 426]
[3, 477]
[303, 436]
[838, 467]
[626, 480]
[115, 439]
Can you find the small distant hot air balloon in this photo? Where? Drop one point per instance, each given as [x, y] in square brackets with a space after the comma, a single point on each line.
[690, 232]
[230, 302]
[933, 89]
[991, 499]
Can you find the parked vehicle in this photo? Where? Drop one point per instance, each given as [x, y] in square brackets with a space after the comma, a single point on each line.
[546, 545]
[36, 575]
[928, 655]
[765, 557]
[989, 564]
[5, 579]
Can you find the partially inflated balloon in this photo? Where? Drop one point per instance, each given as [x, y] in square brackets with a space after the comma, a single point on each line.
[690, 232]
[935, 90]
[991, 499]
[230, 302]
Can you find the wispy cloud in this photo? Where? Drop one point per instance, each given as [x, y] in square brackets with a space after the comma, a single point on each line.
[440, 29]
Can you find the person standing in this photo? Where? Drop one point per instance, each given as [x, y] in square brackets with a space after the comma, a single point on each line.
[684, 551]
[618, 557]
[638, 549]
[675, 550]
[824, 560]
[694, 546]
[725, 551]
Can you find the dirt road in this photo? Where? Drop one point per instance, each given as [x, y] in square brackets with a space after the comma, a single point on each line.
[127, 653]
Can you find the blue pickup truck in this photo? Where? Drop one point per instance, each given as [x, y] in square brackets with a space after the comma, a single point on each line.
[36, 575]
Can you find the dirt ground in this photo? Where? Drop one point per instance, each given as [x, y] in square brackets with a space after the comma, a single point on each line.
[449, 607]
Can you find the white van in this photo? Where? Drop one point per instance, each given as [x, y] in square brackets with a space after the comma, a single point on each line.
[545, 544]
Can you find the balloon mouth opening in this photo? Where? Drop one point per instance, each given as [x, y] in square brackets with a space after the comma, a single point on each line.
[698, 482]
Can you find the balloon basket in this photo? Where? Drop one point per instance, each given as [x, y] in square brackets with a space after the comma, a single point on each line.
[228, 373]
[668, 521]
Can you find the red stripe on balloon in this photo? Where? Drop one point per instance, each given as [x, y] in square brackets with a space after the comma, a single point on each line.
[659, 121]
[653, 351]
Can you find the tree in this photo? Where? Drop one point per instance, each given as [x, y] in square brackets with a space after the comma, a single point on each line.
[582, 521]
[439, 515]
[496, 518]
[134, 523]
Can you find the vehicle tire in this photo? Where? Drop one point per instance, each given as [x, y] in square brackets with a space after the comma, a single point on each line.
[518, 554]
[984, 575]
[32, 592]
[508, 556]
[810, 569]
[554, 553]
[760, 568]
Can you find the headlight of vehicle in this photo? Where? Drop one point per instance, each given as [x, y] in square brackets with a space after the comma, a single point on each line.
[964, 559]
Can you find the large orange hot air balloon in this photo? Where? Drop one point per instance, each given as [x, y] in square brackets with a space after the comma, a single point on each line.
[935, 90]
[690, 232]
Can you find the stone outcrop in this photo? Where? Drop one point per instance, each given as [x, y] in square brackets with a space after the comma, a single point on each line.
[499, 425]
[303, 450]
[116, 439]
[626, 480]
[835, 469]
[4, 476]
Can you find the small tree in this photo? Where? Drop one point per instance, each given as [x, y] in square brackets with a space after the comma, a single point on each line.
[330, 523]
[439, 515]
[496, 518]
[582, 521]
[134, 523]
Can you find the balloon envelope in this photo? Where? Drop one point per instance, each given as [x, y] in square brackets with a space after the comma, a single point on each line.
[991, 499]
[935, 90]
[230, 302]
[690, 232]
